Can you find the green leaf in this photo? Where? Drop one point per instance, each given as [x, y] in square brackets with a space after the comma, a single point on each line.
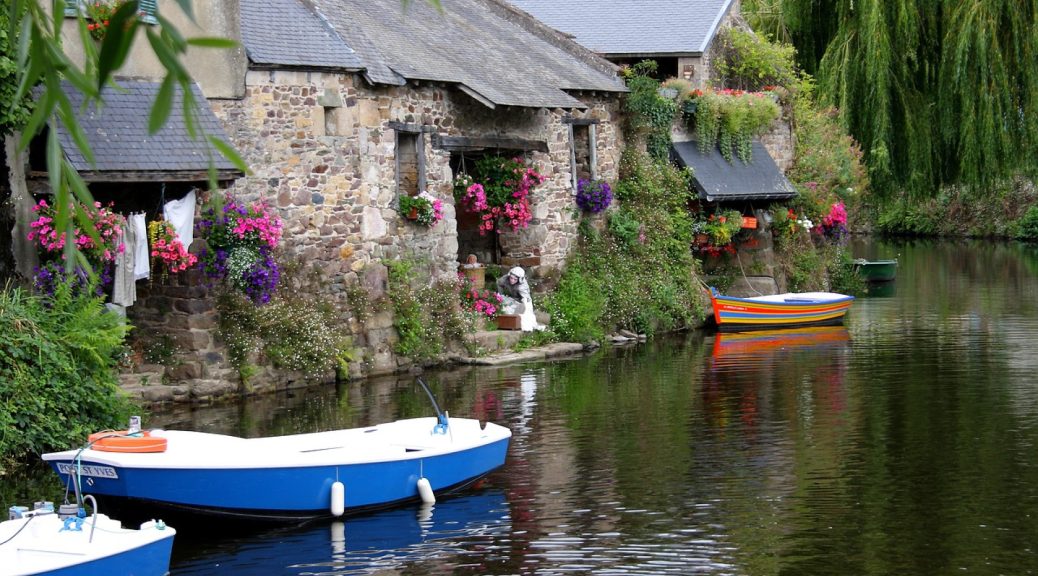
[187, 7]
[162, 106]
[166, 56]
[117, 42]
[54, 159]
[224, 43]
[230, 153]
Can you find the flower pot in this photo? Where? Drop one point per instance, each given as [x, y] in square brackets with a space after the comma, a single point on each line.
[702, 239]
[413, 214]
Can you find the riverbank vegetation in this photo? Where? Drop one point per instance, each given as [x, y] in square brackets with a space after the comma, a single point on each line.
[58, 357]
[942, 97]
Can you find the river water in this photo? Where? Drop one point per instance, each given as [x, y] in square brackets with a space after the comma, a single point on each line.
[905, 442]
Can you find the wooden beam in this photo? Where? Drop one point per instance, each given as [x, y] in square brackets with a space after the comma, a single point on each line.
[580, 121]
[148, 176]
[465, 143]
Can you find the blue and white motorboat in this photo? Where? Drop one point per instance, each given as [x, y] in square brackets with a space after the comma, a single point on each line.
[42, 542]
[285, 478]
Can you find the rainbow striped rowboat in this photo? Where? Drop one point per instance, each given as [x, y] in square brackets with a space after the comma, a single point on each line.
[790, 310]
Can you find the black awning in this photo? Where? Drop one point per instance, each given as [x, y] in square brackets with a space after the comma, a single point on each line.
[718, 180]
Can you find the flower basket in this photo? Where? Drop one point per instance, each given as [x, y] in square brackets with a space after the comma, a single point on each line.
[498, 192]
[423, 208]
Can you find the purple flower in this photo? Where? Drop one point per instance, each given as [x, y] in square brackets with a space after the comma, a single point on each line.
[593, 195]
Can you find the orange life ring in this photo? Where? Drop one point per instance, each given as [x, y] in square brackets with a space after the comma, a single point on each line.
[121, 441]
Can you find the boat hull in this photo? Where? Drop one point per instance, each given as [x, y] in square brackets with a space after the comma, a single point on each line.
[876, 270]
[42, 545]
[378, 467]
[781, 311]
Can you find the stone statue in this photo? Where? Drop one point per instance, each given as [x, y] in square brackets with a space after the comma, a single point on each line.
[515, 298]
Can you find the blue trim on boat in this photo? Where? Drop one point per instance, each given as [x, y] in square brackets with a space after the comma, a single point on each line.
[297, 492]
[148, 560]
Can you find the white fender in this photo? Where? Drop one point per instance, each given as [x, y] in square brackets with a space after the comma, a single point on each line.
[338, 506]
[425, 491]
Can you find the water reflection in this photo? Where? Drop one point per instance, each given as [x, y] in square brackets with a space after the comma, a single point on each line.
[450, 534]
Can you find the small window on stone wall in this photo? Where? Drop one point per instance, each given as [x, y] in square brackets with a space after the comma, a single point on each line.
[410, 163]
[582, 152]
[332, 120]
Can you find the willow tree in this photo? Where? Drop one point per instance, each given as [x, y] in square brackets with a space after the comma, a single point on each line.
[936, 91]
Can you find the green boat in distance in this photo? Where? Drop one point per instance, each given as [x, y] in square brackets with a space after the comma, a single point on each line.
[876, 270]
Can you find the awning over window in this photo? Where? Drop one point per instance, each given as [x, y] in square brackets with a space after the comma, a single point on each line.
[718, 180]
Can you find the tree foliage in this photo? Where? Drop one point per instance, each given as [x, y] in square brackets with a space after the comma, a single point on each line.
[937, 92]
[14, 112]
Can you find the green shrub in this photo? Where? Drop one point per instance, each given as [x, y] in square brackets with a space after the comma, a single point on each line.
[843, 278]
[1027, 226]
[649, 115]
[428, 318]
[57, 371]
[640, 275]
[296, 330]
[828, 165]
[576, 306]
[749, 62]
[624, 226]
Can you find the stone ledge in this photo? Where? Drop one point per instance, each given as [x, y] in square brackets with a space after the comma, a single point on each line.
[531, 355]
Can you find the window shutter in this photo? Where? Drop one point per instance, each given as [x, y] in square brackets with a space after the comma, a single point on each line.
[148, 9]
[72, 8]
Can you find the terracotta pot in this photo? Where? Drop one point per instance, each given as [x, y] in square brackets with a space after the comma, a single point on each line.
[702, 239]
[413, 214]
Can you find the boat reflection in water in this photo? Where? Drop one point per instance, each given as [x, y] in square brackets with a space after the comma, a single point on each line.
[763, 345]
[384, 542]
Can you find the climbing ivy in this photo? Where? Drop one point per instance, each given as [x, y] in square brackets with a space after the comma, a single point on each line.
[649, 115]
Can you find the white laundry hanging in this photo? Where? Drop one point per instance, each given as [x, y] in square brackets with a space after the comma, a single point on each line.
[141, 259]
[181, 215]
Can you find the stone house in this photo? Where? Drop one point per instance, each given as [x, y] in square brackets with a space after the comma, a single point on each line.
[350, 104]
[340, 107]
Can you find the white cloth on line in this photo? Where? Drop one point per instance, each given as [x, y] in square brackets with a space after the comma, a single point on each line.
[141, 256]
[181, 214]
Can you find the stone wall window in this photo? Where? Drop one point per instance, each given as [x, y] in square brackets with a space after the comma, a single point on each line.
[582, 156]
[333, 120]
[410, 162]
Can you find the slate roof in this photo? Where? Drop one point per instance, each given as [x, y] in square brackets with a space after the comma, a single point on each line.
[118, 133]
[284, 32]
[498, 55]
[634, 27]
[718, 180]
